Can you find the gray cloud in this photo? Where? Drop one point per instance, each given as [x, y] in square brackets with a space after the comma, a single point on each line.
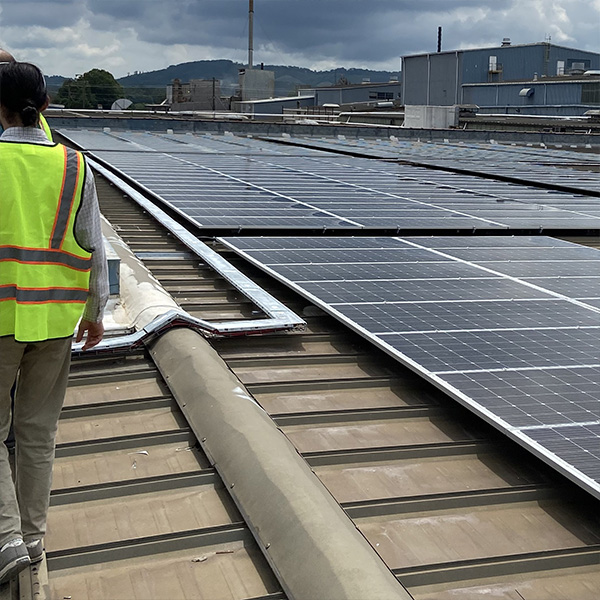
[52, 14]
[341, 29]
[375, 33]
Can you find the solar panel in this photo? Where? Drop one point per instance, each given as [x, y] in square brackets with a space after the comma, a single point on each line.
[201, 143]
[516, 349]
[272, 190]
[414, 290]
[586, 287]
[541, 165]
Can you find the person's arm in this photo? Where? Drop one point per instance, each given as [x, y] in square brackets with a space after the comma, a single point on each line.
[89, 234]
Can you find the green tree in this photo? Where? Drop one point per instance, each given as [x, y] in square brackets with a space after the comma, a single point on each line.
[74, 93]
[96, 87]
[144, 95]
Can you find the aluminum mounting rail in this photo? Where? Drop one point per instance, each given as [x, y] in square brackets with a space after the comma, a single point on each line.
[280, 318]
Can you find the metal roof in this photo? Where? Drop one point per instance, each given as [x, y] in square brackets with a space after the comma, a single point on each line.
[508, 46]
[452, 507]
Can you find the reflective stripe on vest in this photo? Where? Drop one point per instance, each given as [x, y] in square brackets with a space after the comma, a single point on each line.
[44, 272]
[67, 197]
[41, 256]
[33, 295]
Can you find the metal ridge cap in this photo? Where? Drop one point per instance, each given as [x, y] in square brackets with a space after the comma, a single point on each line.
[312, 545]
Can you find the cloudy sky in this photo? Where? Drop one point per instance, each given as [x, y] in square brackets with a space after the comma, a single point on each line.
[68, 37]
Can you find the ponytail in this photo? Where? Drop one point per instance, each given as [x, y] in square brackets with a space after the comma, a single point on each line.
[30, 115]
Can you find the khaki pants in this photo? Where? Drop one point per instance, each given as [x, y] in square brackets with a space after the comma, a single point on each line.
[43, 369]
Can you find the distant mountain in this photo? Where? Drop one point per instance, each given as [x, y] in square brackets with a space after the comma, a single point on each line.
[53, 83]
[287, 79]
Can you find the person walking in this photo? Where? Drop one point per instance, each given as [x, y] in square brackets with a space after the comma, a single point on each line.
[53, 273]
[6, 57]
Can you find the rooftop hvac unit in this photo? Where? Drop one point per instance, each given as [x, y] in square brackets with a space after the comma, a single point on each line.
[577, 68]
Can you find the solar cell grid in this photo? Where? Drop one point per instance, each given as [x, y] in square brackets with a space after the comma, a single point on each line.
[568, 253]
[370, 257]
[577, 450]
[443, 242]
[349, 272]
[534, 397]
[507, 349]
[447, 316]
[273, 244]
[541, 268]
[450, 222]
[418, 290]
[566, 223]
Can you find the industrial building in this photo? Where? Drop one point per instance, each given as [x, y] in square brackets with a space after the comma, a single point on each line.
[197, 94]
[324, 101]
[256, 84]
[537, 80]
[479, 76]
[366, 92]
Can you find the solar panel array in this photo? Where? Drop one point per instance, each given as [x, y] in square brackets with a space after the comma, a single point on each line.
[206, 143]
[508, 326]
[231, 183]
[534, 164]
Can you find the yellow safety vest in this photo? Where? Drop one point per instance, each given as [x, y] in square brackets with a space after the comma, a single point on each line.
[45, 127]
[44, 271]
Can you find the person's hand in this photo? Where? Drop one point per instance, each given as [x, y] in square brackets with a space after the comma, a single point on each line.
[95, 332]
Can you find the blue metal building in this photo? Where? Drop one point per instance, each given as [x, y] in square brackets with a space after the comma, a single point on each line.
[557, 96]
[441, 78]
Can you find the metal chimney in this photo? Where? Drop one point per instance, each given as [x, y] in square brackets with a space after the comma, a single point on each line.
[439, 46]
[250, 33]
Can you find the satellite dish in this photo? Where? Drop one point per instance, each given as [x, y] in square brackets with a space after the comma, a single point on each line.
[121, 104]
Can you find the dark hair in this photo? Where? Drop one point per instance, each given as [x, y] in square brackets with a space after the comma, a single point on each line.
[22, 91]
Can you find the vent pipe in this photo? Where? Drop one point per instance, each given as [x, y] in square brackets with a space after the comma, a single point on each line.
[250, 33]
[439, 46]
